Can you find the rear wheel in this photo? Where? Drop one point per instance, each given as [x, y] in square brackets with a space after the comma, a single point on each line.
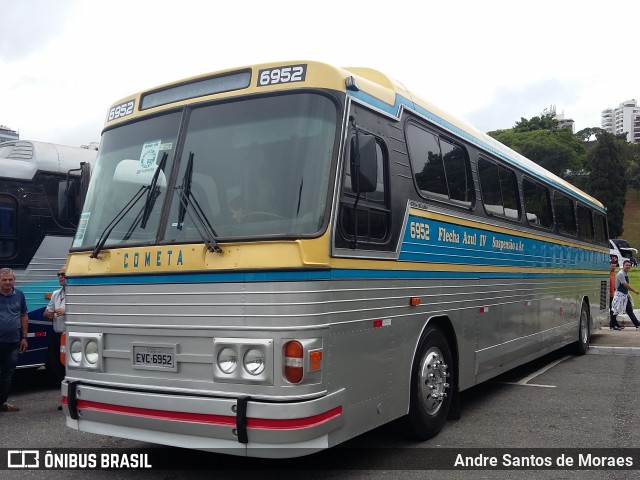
[584, 333]
[431, 393]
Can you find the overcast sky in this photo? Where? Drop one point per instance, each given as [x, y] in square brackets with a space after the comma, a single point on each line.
[64, 62]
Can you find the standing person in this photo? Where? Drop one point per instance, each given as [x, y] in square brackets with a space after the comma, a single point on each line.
[622, 302]
[14, 326]
[55, 311]
[613, 321]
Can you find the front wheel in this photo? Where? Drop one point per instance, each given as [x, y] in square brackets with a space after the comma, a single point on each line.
[584, 334]
[431, 391]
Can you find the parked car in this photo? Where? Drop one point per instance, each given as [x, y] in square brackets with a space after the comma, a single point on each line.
[621, 249]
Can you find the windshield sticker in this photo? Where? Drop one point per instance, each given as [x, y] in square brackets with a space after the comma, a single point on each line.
[166, 146]
[82, 228]
[149, 156]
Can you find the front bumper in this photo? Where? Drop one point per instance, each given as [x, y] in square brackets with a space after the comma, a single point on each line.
[238, 426]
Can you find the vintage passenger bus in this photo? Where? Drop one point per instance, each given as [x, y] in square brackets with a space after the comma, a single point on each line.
[36, 233]
[276, 258]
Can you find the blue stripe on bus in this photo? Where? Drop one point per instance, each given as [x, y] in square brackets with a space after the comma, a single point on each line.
[395, 111]
[313, 275]
[35, 293]
[427, 240]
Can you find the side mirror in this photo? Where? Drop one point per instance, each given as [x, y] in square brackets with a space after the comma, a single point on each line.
[364, 163]
[67, 208]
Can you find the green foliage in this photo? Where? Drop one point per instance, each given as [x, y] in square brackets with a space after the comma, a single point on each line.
[603, 171]
[586, 133]
[544, 122]
[557, 150]
[633, 168]
[608, 160]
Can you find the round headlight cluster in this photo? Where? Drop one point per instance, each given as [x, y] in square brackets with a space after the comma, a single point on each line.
[75, 350]
[253, 361]
[227, 360]
[91, 352]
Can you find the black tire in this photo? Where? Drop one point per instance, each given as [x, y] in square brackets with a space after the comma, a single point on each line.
[431, 389]
[584, 331]
[55, 369]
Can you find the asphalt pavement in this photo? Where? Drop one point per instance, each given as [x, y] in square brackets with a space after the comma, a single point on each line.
[617, 342]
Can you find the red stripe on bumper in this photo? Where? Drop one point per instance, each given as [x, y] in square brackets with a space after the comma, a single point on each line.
[262, 423]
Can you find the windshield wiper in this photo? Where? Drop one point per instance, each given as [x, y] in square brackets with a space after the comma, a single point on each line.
[208, 234]
[152, 193]
[117, 219]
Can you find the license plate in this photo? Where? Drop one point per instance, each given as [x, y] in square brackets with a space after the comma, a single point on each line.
[154, 357]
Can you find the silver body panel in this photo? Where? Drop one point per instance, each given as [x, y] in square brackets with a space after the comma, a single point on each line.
[368, 366]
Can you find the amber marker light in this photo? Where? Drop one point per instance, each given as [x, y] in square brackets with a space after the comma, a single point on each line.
[414, 301]
[315, 360]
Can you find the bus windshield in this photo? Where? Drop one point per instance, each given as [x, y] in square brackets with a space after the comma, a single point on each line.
[246, 169]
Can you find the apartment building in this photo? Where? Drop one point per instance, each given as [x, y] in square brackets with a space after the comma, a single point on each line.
[624, 119]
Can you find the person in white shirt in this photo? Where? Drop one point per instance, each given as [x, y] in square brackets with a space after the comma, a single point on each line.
[55, 312]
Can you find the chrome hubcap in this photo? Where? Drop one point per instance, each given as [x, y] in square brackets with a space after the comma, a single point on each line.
[432, 378]
[584, 327]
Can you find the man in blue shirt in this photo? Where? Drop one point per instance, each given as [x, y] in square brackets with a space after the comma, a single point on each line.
[14, 326]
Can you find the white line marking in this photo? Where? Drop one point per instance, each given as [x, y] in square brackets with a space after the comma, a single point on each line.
[524, 381]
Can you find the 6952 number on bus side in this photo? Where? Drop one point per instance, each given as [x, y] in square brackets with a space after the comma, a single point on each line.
[419, 230]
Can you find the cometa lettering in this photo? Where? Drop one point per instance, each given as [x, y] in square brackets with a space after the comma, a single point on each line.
[160, 258]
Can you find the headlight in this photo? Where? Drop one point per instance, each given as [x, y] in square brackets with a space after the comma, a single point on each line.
[91, 351]
[227, 360]
[254, 361]
[84, 351]
[75, 350]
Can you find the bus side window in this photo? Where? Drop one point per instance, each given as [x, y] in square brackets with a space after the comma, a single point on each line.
[440, 167]
[585, 223]
[537, 204]
[7, 227]
[499, 189]
[600, 227]
[564, 213]
[373, 214]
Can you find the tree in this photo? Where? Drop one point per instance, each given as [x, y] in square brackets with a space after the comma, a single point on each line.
[586, 133]
[633, 172]
[608, 160]
[557, 150]
[544, 122]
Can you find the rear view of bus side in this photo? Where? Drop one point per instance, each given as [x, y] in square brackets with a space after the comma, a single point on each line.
[274, 259]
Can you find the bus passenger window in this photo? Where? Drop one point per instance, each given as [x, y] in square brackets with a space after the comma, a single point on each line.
[7, 227]
[426, 160]
[456, 167]
[439, 167]
[585, 225]
[537, 204]
[600, 227]
[565, 216]
[499, 190]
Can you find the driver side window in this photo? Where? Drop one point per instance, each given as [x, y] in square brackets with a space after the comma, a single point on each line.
[369, 221]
